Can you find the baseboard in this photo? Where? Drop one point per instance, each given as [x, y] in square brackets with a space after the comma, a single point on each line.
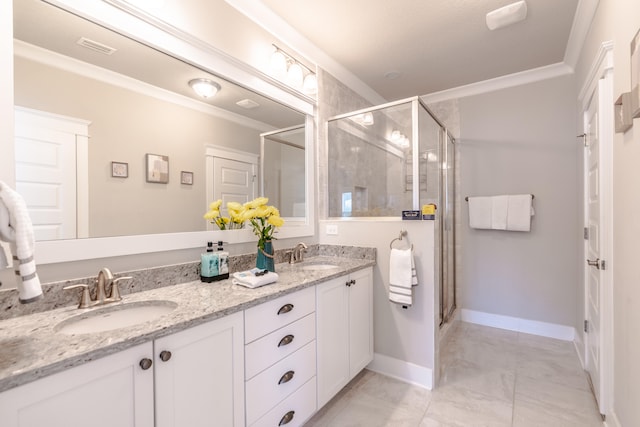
[402, 370]
[579, 346]
[533, 327]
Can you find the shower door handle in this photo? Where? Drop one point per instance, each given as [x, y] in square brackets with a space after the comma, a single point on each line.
[595, 263]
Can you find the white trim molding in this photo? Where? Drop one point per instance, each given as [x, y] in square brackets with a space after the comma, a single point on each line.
[402, 370]
[72, 65]
[602, 63]
[585, 12]
[533, 327]
[503, 82]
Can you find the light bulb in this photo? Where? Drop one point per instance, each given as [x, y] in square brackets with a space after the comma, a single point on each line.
[278, 64]
[295, 75]
[396, 136]
[310, 85]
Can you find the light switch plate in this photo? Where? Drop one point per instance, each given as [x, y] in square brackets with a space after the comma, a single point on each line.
[332, 230]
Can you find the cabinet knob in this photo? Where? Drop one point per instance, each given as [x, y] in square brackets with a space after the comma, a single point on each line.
[352, 282]
[287, 418]
[286, 340]
[285, 309]
[288, 376]
[165, 355]
[146, 363]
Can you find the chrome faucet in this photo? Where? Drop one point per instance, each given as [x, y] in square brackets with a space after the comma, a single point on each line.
[105, 278]
[297, 254]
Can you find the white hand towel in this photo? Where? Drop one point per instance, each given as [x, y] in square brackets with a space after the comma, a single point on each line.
[499, 209]
[480, 212]
[19, 233]
[249, 280]
[5, 255]
[519, 212]
[401, 278]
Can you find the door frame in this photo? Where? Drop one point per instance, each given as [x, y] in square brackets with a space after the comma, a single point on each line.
[601, 69]
[213, 151]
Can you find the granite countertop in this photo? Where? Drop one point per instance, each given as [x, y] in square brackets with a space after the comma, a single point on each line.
[31, 348]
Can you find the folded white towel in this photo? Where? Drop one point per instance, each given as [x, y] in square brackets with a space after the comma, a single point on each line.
[402, 276]
[480, 212]
[499, 207]
[249, 279]
[18, 232]
[519, 212]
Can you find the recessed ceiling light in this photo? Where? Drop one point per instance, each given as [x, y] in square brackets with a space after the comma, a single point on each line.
[392, 75]
[204, 87]
[248, 104]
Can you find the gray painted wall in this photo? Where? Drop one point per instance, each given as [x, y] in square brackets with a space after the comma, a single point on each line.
[512, 141]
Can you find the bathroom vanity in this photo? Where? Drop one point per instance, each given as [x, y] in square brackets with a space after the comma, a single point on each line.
[226, 353]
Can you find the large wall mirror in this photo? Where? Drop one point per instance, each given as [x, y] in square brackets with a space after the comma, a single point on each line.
[138, 163]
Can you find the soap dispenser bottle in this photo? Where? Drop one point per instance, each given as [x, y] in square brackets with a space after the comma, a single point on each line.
[223, 261]
[208, 264]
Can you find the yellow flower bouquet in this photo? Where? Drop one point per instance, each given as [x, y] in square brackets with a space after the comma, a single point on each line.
[264, 219]
[213, 215]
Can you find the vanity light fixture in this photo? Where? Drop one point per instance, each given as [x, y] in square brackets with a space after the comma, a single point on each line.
[399, 139]
[364, 119]
[204, 87]
[507, 15]
[297, 75]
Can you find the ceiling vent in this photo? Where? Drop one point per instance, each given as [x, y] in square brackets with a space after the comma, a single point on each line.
[95, 46]
[248, 104]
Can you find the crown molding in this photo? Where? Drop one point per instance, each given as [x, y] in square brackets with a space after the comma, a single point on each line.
[503, 82]
[585, 12]
[259, 13]
[56, 60]
[602, 63]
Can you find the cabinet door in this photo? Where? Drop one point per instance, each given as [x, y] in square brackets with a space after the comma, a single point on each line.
[202, 382]
[332, 313]
[111, 391]
[360, 321]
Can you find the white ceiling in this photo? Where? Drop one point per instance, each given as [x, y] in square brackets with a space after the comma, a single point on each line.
[434, 45]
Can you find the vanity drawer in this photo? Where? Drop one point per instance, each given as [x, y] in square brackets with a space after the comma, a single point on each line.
[297, 408]
[269, 349]
[264, 318]
[267, 389]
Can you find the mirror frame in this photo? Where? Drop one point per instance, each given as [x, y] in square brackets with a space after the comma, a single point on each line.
[132, 22]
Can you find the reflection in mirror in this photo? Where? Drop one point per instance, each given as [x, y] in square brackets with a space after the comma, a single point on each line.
[283, 172]
[128, 100]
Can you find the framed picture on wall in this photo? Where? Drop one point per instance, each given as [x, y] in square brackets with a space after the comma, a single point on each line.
[157, 168]
[186, 178]
[119, 170]
[635, 75]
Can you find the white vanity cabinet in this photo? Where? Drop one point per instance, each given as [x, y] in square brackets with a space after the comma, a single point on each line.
[199, 381]
[111, 391]
[199, 375]
[280, 360]
[344, 310]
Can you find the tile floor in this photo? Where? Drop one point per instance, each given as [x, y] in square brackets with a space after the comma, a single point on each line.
[489, 377]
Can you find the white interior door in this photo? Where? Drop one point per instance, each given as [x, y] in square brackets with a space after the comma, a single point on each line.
[231, 176]
[48, 158]
[593, 273]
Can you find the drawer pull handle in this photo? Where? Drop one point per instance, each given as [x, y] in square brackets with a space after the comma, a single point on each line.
[285, 309]
[146, 363]
[288, 376]
[287, 418]
[165, 355]
[286, 340]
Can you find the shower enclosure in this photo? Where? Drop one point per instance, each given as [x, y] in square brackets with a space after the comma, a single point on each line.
[391, 158]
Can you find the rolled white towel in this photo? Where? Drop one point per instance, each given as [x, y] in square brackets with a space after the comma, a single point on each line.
[18, 232]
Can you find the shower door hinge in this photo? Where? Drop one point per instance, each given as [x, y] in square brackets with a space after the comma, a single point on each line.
[586, 326]
[586, 233]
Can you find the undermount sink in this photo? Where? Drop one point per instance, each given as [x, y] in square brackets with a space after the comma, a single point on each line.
[113, 317]
[319, 266]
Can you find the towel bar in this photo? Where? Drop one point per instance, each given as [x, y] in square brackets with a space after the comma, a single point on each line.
[399, 238]
[467, 198]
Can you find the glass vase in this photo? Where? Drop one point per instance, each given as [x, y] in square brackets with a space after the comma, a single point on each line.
[264, 260]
